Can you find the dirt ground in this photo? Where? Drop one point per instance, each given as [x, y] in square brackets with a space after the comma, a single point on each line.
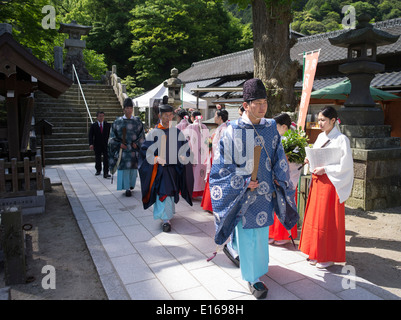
[373, 249]
[56, 240]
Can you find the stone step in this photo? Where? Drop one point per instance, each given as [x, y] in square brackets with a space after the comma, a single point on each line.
[50, 140]
[66, 160]
[66, 129]
[354, 131]
[68, 142]
[68, 153]
[63, 147]
[375, 143]
[89, 101]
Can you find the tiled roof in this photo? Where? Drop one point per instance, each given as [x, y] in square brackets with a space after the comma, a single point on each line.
[241, 63]
[230, 64]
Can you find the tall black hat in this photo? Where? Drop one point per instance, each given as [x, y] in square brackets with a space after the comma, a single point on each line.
[165, 108]
[254, 89]
[128, 103]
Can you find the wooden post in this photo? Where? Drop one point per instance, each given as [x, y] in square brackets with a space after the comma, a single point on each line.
[39, 173]
[42, 149]
[27, 177]
[2, 176]
[13, 246]
[14, 174]
[256, 158]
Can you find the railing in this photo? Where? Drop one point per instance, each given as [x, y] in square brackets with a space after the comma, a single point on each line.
[83, 96]
[119, 89]
[15, 177]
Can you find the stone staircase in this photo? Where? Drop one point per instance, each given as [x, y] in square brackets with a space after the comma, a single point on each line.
[69, 140]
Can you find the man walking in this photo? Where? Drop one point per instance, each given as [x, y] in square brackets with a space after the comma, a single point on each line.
[126, 137]
[98, 138]
[165, 169]
[242, 205]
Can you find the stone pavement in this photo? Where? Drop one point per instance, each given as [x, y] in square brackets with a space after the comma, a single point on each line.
[136, 260]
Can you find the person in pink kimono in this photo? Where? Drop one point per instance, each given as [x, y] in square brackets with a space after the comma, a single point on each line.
[182, 119]
[198, 136]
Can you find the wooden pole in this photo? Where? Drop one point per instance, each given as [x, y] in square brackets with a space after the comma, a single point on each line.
[256, 157]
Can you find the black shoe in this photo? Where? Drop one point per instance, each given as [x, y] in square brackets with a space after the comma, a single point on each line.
[106, 176]
[228, 254]
[166, 227]
[128, 193]
[97, 173]
[259, 290]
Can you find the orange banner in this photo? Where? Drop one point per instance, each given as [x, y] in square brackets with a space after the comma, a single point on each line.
[307, 84]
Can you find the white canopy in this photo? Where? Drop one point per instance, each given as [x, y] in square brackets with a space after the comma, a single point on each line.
[146, 100]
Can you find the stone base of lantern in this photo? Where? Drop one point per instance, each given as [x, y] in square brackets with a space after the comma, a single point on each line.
[377, 180]
[377, 159]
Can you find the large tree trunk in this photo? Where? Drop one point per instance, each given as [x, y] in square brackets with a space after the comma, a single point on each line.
[271, 46]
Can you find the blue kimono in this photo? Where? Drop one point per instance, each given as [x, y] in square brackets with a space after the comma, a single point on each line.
[237, 207]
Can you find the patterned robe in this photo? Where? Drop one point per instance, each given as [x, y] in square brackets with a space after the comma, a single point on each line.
[231, 171]
[134, 133]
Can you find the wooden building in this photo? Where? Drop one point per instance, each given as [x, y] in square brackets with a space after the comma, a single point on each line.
[21, 74]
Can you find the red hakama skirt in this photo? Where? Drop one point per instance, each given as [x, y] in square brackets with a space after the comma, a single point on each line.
[323, 229]
[277, 230]
[206, 203]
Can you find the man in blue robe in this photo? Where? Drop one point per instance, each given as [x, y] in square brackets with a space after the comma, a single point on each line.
[243, 208]
[126, 137]
[165, 169]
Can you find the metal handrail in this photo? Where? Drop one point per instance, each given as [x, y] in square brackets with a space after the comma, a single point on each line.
[82, 92]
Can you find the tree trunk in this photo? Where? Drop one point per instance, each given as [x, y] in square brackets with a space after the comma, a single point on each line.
[271, 47]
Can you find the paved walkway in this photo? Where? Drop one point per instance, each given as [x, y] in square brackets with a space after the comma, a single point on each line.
[136, 260]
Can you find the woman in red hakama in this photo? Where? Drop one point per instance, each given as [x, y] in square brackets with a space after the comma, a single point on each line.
[323, 229]
[277, 233]
[220, 117]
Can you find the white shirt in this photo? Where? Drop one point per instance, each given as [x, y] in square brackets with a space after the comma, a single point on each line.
[340, 174]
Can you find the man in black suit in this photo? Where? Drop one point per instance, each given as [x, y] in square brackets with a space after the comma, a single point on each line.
[98, 139]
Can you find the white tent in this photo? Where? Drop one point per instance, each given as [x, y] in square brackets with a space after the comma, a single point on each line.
[147, 100]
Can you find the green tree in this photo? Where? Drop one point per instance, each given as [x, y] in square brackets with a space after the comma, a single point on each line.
[175, 33]
[26, 19]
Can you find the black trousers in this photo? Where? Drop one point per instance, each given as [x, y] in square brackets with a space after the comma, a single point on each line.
[98, 160]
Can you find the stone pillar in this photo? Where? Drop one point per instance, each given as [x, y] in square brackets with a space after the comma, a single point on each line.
[58, 59]
[13, 246]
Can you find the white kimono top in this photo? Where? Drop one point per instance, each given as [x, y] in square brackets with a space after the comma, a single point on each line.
[340, 174]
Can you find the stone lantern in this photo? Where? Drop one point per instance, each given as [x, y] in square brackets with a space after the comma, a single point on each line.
[74, 46]
[377, 155]
[360, 68]
[174, 85]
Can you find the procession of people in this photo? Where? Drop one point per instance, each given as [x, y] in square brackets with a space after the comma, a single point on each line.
[241, 175]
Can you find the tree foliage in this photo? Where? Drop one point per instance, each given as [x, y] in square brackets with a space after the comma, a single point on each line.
[28, 18]
[318, 16]
[175, 33]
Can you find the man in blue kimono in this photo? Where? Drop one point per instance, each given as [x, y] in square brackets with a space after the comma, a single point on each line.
[126, 137]
[165, 169]
[242, 207]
